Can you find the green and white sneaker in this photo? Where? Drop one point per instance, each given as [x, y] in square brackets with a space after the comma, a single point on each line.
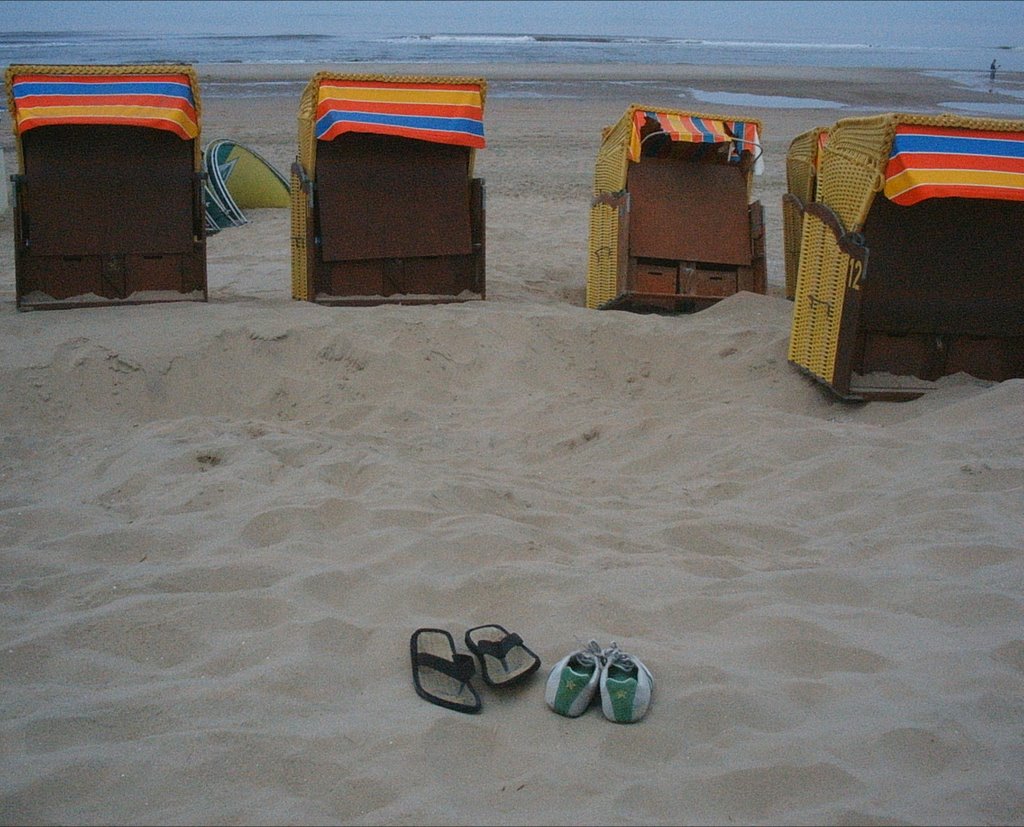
[626, 686]
[572, 682]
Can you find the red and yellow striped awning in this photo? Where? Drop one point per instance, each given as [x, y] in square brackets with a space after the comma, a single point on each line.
[695, 129]
[446, 113]
[159, 101]
[950, 162]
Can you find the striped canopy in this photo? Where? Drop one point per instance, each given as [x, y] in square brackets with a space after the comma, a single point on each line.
[949, 162]
[695, 130]
[159, 101]
[446, 113]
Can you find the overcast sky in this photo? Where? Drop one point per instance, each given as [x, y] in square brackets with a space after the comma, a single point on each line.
[915, 22]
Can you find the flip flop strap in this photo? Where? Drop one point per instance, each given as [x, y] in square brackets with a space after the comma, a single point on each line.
[500, 648]
[462, 668]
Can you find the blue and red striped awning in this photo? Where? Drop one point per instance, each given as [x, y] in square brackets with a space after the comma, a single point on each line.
[950, 162]
[150, 100]
[447, 113]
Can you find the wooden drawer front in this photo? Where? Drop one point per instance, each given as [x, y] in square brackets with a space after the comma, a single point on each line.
[352, 278]
[652, 278]
[711, 283]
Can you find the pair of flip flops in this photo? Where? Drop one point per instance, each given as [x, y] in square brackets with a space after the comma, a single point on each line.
[444, 676]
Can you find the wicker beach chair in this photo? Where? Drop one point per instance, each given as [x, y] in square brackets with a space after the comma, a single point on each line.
[385, 208]
[672, 226]
[801, 185]
[912, 256]
[108, 204]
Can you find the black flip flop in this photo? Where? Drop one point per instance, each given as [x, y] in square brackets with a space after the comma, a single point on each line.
[504, 658]
[440, 674]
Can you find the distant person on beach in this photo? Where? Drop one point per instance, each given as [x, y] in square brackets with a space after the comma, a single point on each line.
[992, 70]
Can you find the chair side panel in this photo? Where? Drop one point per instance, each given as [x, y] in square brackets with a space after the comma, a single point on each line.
[946, 276]
[387, 197]
[104, 190]
[688, 211]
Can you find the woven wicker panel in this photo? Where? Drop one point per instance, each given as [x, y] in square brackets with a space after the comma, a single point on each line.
[602, 267]
[801, 174]
[610, 178]
[852, 166]
[610, 170]
[306, 156]
[300, 277]
[306, 153]
[818, 304]
[792, 227]
[99, 69]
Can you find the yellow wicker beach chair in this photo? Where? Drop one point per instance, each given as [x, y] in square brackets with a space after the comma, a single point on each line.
[671, 222]
[108, 194]
[385, 208]
[801, 185]
[912, 256]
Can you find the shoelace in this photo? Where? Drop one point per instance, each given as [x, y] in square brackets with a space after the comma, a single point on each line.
[615, 655]
[592, 654]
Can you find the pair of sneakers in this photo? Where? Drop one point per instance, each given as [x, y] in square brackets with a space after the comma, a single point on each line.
[624, 683]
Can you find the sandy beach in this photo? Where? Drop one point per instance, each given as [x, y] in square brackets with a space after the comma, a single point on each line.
[221, 522]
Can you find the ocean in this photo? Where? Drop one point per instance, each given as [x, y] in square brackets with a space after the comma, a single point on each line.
[92, 47]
